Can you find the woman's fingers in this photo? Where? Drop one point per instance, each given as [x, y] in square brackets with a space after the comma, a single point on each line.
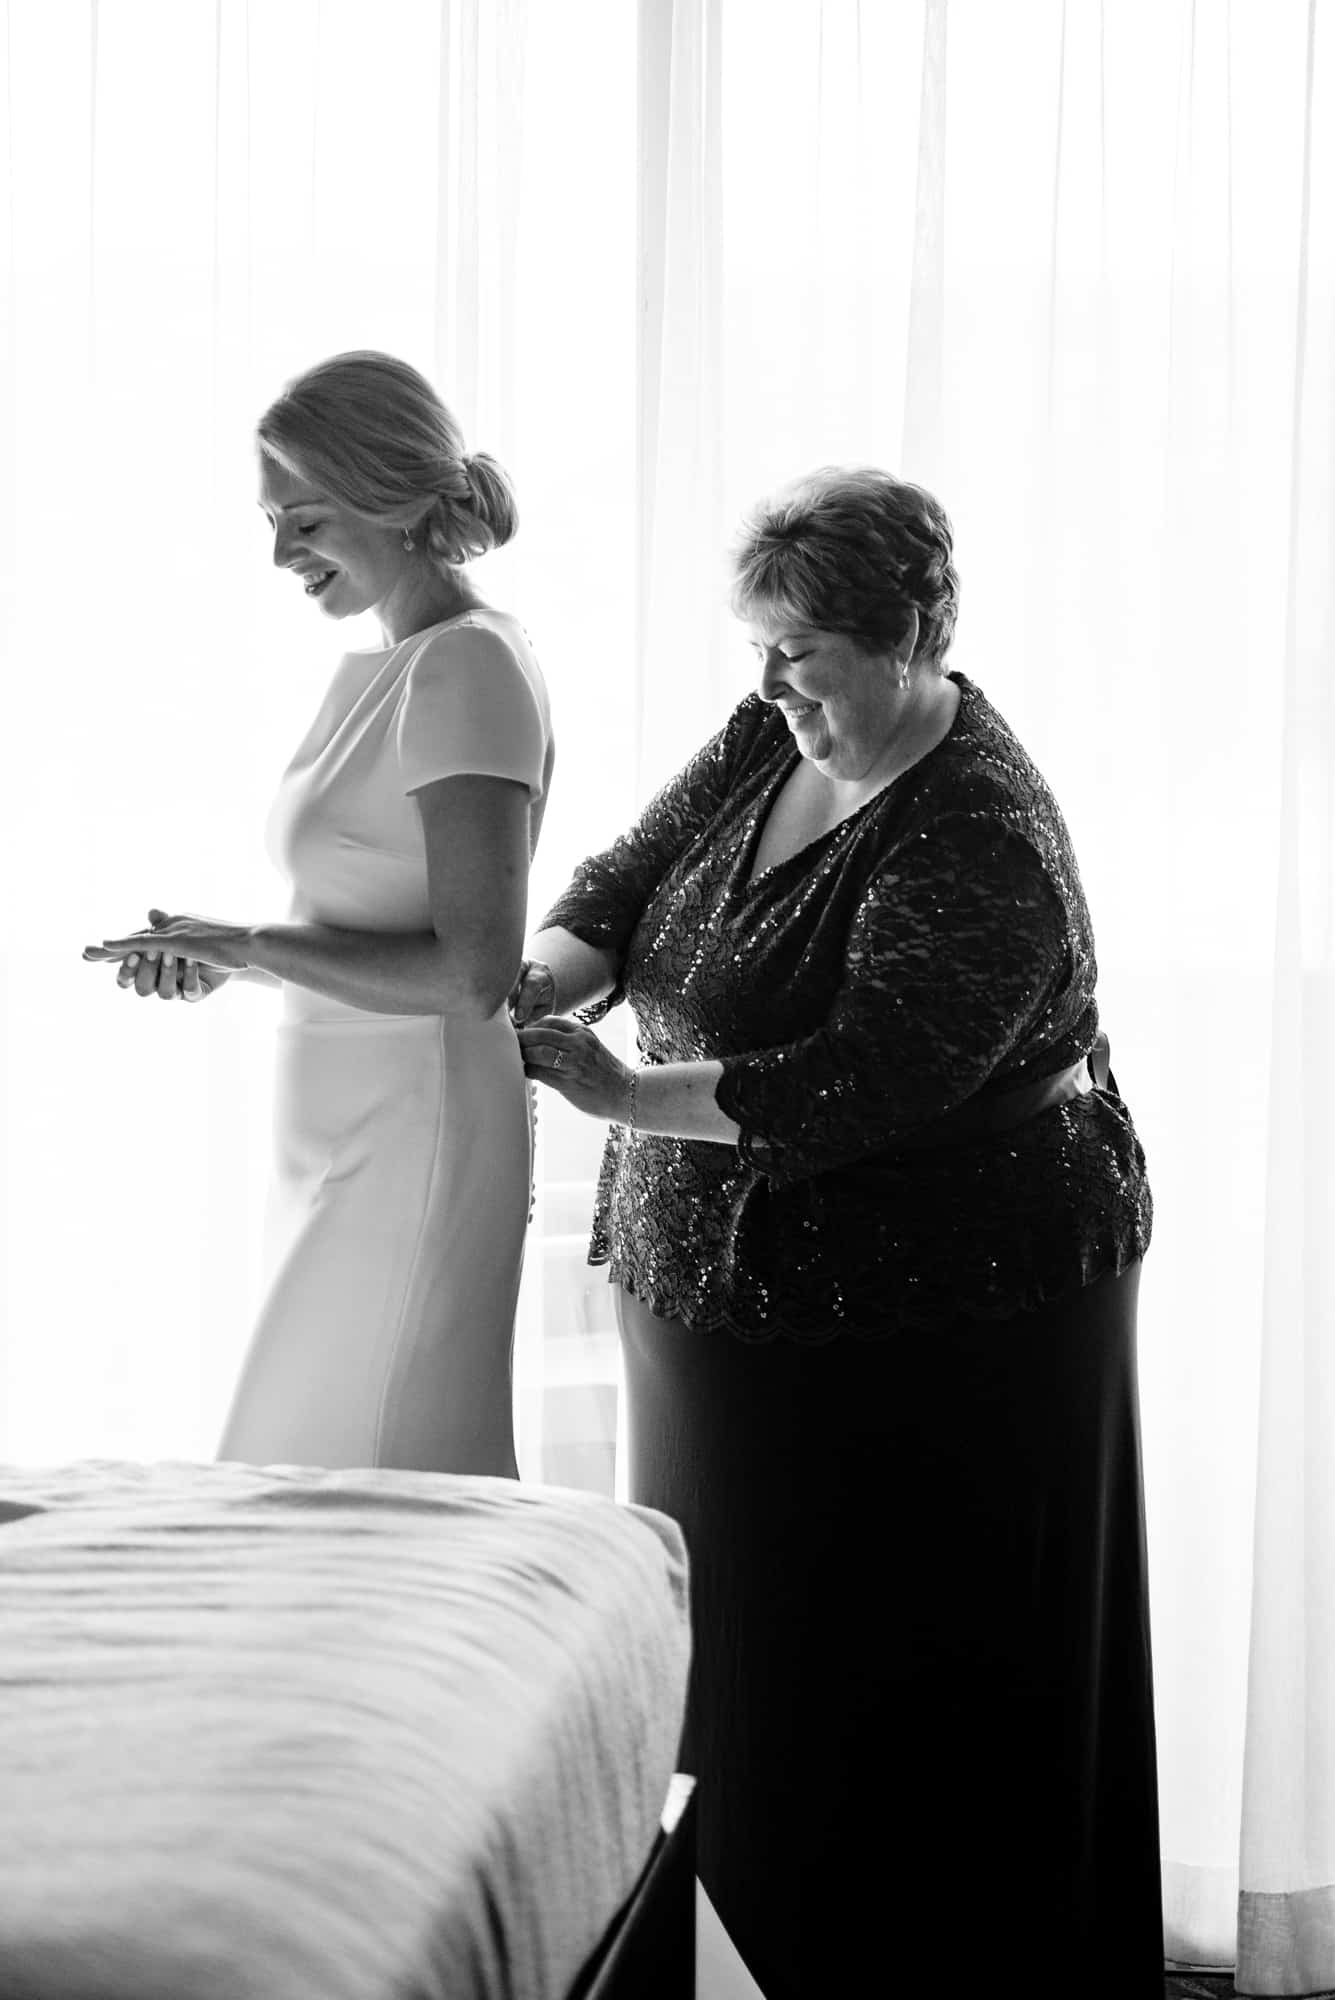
[149, 967]
[533, 994]
[550, 1036]
[554, 1051]
[149, 972]
[542, 1067]
[142, 941]
[165, 974]
[155, 961]
[569, 1058]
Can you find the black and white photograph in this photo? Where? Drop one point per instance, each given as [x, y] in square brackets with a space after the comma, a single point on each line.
[667, 992]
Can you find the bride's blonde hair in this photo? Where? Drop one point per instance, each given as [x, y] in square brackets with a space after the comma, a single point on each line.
[371, 433]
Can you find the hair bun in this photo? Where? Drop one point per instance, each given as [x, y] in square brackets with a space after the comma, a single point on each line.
[492, 500]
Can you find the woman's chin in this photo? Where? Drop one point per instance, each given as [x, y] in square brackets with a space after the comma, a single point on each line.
[335, 604]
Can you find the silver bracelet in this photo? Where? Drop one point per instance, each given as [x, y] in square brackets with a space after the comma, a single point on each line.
[634, 1079]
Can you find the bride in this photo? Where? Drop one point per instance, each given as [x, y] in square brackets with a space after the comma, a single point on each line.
[406, 823]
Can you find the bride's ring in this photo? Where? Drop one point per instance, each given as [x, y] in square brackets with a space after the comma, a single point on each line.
[558, 1058]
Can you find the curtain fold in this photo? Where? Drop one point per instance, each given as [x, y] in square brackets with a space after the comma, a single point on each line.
[1286, 1931]
[482, 162]
[680, 577]
[923, 426]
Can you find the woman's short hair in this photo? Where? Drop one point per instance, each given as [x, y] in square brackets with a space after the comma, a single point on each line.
[850, 549]
[371, 433]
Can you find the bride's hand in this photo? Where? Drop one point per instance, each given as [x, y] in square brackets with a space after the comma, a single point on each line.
[167, 973]
[224, 947]
[171, 978]
[533, 993]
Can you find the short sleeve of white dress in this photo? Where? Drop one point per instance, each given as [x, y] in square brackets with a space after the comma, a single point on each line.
[468, 705]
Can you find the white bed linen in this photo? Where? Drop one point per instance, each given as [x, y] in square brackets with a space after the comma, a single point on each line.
[297, 1735]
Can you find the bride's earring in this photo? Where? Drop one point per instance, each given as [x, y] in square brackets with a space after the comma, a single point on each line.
[408, 543]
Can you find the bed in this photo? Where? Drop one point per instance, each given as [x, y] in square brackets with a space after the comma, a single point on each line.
[298, 1735]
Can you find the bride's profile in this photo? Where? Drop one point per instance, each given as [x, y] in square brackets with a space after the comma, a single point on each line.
[405, 823]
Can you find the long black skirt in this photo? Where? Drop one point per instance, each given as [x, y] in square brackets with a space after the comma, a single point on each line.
[921, 1710]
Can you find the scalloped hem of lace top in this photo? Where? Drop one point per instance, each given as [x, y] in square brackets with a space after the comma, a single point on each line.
[920, 1312]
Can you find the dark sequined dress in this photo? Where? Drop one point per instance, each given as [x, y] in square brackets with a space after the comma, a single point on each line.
[936, 944]
[921, 1704]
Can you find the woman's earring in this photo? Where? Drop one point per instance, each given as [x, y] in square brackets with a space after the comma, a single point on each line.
[408, 543]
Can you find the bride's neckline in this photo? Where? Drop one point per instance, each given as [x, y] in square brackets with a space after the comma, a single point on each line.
[437, 625]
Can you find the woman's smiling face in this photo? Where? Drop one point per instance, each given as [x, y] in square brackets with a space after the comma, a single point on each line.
[347, 563]
[842, 703]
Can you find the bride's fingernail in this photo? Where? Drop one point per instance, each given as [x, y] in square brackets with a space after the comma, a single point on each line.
[133, 960]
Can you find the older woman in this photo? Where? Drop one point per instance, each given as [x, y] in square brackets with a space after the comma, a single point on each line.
[875, 1236]
[405, 823]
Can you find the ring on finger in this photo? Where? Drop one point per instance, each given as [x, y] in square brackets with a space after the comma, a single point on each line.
[558, 1059]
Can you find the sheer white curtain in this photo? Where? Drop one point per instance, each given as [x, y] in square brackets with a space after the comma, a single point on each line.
[1071, 265]
[1286, 1932]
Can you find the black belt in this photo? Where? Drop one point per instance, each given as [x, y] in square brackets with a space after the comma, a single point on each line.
[982, 1117]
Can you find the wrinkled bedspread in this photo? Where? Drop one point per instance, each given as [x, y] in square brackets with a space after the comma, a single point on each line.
[299, 1735]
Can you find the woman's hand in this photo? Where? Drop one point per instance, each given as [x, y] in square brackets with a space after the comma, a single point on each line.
[533, 994]
[571, 1059]
[166, 973]
[170, 977]
[216, 946]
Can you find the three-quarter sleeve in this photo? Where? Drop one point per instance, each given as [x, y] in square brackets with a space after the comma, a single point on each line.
[954, 950]
[468, 707]
[607, 893]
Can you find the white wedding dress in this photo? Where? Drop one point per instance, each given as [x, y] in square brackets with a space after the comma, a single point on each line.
[395, 1229]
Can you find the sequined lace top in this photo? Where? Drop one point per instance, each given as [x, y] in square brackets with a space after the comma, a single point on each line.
[934, 945]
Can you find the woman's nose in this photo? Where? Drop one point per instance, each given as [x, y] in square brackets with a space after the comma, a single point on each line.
[772, 667]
